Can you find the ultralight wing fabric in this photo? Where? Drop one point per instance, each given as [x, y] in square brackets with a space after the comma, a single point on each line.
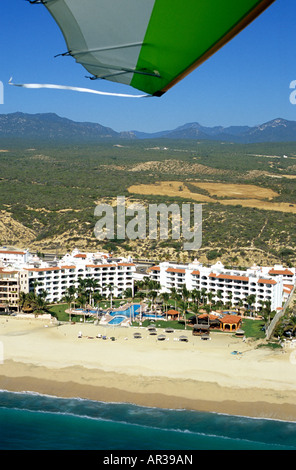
[149, 44]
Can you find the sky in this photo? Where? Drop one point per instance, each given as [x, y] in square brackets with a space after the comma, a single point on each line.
[244, 83]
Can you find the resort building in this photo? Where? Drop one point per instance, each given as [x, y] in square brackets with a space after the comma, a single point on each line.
[12, 257]
[12, 282]
[20, 271]
[262, 283]
[112, 275]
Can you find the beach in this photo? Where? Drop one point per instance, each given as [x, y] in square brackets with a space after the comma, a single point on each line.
[43, 356]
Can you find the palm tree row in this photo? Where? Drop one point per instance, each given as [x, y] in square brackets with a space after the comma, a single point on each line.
[89, 293]
[32, 302]
[185, 300]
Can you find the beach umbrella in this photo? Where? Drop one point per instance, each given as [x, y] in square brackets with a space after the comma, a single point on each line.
[239, 332]
[161, 337]
[149, 45]
[204, 337]
[183, 338]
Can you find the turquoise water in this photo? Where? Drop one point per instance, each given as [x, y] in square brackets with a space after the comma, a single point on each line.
[117, 320]
[152, 317]
[38, 422]
[130, 311]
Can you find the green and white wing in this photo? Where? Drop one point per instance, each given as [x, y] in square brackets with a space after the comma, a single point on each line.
[149, 44]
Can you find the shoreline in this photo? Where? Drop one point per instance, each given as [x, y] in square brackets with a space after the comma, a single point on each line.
[285, 412]
[49, 359]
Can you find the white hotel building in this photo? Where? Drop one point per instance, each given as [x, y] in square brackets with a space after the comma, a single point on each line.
[20, 272]
[57, 276]
[266, 283]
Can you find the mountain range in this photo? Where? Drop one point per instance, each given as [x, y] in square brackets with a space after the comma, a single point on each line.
[51, 127]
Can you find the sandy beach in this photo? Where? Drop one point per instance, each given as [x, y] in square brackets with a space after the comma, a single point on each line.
[45, 357]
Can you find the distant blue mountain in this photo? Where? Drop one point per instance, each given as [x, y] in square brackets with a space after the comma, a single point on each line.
[277, 130]
[51, 127]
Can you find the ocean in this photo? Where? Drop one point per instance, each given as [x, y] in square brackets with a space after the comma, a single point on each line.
[30, 421]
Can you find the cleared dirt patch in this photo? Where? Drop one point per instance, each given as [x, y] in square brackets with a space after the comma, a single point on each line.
[168, 188]
[240, 191]
[256, 194]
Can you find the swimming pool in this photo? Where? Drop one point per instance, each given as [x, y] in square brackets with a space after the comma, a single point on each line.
[117, 319]
[129, 312]
[78, 310]
[151, 316]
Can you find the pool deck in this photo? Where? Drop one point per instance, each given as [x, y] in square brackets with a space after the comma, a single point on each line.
[107, 317]
[126, 322]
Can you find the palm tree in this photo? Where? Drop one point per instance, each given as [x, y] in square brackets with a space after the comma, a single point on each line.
[128, 293]
[251, 299]
[152, 294]
[35, 284]
[185, 293]
[69, 298]
[91, 285]
[81, 301]
[196, 296]
[240, 304]
[146, 282]
[40, 303]
[266, 311]
[203, 294]
[229, 302]
[182, 305]
[22, 300]
[97, 297]
[110, 288]
[210, 296]
[81, 288]
[220, 297]
[175, 295]
[195, 310]
[165, 297]
[292, 322]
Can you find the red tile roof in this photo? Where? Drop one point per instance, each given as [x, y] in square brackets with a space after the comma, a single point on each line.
[230, 319]
[154, 268]
[172, 312]
[56, 268]
[230, 276]
[6, 252]
[266, 281]
[283, 272]
[126, 264]
[175, 270]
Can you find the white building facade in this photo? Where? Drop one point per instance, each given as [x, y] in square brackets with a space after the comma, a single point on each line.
[22, 272]
[265, 283]
[57, 276]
